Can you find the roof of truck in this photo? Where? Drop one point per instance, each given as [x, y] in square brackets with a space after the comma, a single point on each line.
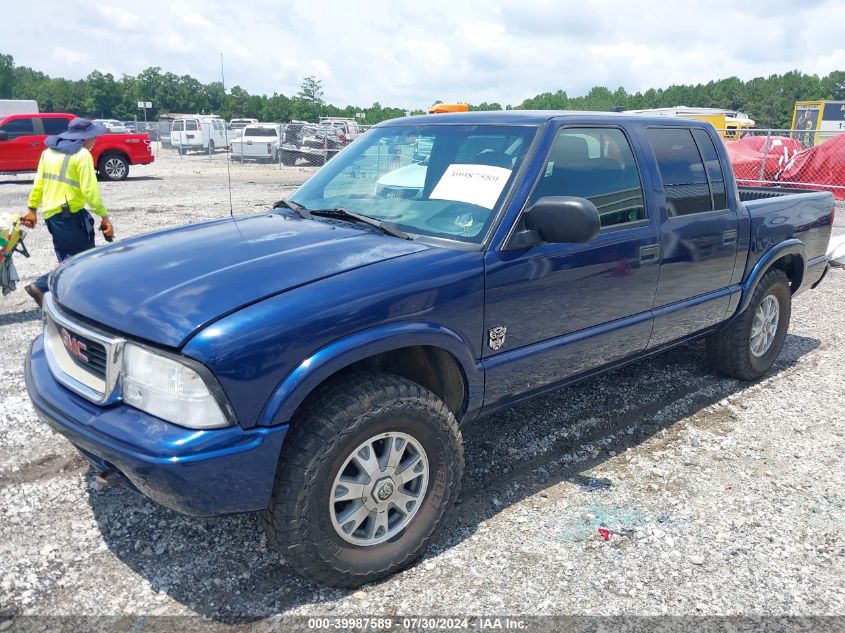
[534, 117]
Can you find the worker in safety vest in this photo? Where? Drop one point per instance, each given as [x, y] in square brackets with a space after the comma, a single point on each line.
[66, 181]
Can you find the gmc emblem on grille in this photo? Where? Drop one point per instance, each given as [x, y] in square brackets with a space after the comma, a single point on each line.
[77, 348]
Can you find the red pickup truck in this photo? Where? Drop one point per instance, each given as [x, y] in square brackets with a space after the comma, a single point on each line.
[22, 141]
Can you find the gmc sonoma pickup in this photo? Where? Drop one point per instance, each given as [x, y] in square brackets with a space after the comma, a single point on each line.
[315, 361]
[22, 142]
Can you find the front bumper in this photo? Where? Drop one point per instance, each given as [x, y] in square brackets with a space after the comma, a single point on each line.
[197, 472]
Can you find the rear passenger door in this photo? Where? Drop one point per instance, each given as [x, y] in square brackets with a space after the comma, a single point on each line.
[569, 308]
[177, 132]
[698, 233]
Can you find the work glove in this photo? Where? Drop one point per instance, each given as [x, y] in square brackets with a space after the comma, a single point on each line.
[29, 219]
[107, 229]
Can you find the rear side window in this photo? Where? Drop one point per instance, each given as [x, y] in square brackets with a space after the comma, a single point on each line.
[260, 131]
[712, 167]
[54, 126]
[191, 126]
[682, 170]
[178, 126]
[18, 127]
[597, 164]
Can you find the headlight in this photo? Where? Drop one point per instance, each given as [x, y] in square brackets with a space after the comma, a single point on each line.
[169, 389]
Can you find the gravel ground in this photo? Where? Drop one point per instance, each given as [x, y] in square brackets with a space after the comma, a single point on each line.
[660, 488]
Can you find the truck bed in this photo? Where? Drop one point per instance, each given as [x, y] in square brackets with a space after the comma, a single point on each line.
[779, 214]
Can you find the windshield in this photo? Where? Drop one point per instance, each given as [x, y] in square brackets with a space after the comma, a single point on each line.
[443, 181]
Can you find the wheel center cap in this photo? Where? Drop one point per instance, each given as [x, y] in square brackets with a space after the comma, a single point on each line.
[383, 489]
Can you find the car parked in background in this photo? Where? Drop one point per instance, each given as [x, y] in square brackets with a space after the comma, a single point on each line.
[348, 129]
[315, 143]
[259, 142]
[112, 125]
[236, 127]
[199, 133]
[22, 141]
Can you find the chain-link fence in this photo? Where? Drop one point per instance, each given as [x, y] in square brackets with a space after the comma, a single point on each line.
[296, 143]
[789, 158]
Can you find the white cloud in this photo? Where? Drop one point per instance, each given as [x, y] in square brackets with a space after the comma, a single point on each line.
[409, 54]
[178, 44]
[119, 18]
[73, 59]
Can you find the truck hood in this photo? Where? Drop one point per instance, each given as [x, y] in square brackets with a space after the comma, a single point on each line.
[164, 287]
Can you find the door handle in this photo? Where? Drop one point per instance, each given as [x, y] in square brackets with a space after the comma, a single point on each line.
[649, 253]
[729, 237]
[34, 143]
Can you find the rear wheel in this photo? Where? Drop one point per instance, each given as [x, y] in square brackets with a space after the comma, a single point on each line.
[211, 147]
[113, 167]
[364, 480]
[749, 346]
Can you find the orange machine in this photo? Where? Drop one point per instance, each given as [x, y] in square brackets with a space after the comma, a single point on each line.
[440, 108]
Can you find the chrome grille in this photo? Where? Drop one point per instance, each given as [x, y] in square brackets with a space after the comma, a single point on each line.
[94, 356]
[83, 359]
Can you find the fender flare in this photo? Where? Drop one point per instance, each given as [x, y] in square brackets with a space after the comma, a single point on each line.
[787, 247]
[312, 371]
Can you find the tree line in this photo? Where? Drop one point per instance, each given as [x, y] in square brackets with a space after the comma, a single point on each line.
[767, 100]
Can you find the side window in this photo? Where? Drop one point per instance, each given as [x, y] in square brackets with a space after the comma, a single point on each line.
[191, 125]
[54, 126]
[18, 127]
[597, 164]
[713, 168]
[682, 170]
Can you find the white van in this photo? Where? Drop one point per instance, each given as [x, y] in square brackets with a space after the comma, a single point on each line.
[200, 133]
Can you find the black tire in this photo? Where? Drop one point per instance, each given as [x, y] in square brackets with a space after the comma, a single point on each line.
[113, 167]
[350, 411]
[211, 147]
[729, 350]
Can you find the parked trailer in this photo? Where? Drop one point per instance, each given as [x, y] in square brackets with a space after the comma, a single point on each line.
[18, 106]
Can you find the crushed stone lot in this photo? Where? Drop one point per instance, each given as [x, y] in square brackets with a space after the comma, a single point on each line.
[660, 488]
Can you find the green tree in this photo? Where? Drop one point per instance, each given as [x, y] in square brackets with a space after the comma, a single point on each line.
[308, 102]
[7, 76]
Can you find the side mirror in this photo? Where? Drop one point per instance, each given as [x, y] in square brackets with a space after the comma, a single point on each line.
[558, 220]
[4, 136]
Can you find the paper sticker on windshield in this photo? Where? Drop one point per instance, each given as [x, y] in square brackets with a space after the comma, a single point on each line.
[475, 184]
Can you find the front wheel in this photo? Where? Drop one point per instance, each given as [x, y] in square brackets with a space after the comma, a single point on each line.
[364, 480]
[749, 346]
[113, 167]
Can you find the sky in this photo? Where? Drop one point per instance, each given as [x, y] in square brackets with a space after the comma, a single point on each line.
[409, 54]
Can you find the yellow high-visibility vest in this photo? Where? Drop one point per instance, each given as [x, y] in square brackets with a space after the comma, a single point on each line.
[66, 178]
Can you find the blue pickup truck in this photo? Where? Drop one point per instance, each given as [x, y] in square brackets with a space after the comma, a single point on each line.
[315, 361]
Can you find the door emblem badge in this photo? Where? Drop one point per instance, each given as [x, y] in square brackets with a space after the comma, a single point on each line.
[497, 337]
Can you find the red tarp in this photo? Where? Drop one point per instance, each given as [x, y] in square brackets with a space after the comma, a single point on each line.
[747, 155]
[787, 162]
[820, 165]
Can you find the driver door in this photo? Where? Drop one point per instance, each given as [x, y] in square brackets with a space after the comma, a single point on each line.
[554, 311]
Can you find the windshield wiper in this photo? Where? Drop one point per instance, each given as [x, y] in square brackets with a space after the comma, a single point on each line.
[284, 203]
[386, 227]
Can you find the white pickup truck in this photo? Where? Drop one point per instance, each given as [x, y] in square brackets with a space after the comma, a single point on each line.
[259, 142]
